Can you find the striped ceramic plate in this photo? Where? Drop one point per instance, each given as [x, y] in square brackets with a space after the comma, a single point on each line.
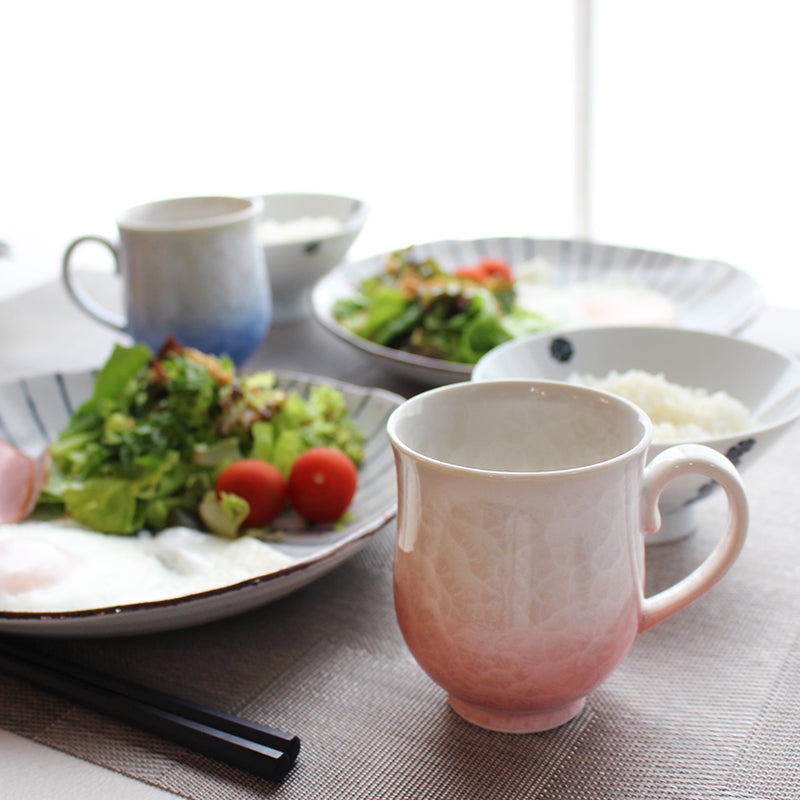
[34, 410]
[708, 295]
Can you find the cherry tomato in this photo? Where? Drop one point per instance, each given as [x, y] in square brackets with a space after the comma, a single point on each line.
[322, 483]
[495, 268]
[485, 269]
[469, 272]
[258, 482]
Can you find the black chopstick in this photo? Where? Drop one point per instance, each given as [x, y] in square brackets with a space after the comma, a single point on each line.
[256, 748]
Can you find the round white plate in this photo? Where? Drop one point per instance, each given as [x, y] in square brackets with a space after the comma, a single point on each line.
[709, 295]
[32, 413]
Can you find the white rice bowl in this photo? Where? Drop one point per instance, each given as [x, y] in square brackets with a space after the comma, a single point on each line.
[304, 236]
[730, 394]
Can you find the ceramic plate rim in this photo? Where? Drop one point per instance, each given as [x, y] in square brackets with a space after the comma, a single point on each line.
[343, 279]
[28, 622]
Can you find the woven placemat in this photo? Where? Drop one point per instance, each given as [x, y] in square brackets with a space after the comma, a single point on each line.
[705, 705]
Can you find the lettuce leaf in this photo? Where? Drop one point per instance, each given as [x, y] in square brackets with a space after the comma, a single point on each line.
[415, 306]
[147, 447]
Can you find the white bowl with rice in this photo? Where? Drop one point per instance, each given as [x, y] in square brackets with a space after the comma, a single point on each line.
[304, 236]
[736, 396]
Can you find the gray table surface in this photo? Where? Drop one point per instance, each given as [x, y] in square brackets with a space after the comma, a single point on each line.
[705, 706]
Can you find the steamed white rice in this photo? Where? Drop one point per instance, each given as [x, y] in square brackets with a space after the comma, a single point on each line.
[271, 231]
[677, 412]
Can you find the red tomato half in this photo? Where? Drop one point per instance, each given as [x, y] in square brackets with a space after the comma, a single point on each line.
[473, 273]
[322, 484]
[485, 269]
[258, 482]
[495, 268]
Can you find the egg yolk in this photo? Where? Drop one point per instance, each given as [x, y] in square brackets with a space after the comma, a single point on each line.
[28, 564]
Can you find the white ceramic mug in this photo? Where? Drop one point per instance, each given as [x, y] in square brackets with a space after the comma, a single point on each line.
[192, 268]
[519, 565]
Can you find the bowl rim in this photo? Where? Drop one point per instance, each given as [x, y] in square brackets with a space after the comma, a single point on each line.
[790, 362]
[354, 221]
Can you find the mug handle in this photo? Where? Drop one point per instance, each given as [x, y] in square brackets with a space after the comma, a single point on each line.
[77, 292]
[683, 460]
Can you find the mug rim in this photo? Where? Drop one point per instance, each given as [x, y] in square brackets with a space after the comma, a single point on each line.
[642, 444]
[243, 208]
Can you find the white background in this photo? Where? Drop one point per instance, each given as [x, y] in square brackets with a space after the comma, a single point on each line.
[697, 130]
[449, 118]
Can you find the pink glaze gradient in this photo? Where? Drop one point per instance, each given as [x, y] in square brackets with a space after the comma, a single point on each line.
[520, 589]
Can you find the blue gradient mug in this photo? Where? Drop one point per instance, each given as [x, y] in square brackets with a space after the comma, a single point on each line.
[192, 268]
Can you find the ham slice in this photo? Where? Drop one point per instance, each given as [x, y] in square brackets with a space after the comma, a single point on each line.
[21, 480]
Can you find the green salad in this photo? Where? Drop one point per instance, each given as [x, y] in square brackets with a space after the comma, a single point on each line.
[416, 306]
[146, 448]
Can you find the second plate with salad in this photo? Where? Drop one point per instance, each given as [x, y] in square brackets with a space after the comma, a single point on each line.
[428, 312]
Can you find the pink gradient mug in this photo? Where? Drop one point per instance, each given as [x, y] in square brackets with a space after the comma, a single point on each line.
[519, 563]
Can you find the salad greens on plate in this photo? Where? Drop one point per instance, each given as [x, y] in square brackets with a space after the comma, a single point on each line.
[416, 306]
[145, 450]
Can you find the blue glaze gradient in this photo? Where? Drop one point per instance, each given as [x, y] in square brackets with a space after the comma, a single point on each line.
[236, 336]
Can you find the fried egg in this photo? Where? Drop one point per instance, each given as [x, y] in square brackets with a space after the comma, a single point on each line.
[62, 566]
[614, 300]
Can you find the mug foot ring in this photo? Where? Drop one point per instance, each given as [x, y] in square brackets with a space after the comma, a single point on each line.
[507, 721]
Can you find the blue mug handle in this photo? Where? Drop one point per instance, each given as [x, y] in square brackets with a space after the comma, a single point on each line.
[79, 294]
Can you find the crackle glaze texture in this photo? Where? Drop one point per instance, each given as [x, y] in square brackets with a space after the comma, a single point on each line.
[515, 596]
[519, 565]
